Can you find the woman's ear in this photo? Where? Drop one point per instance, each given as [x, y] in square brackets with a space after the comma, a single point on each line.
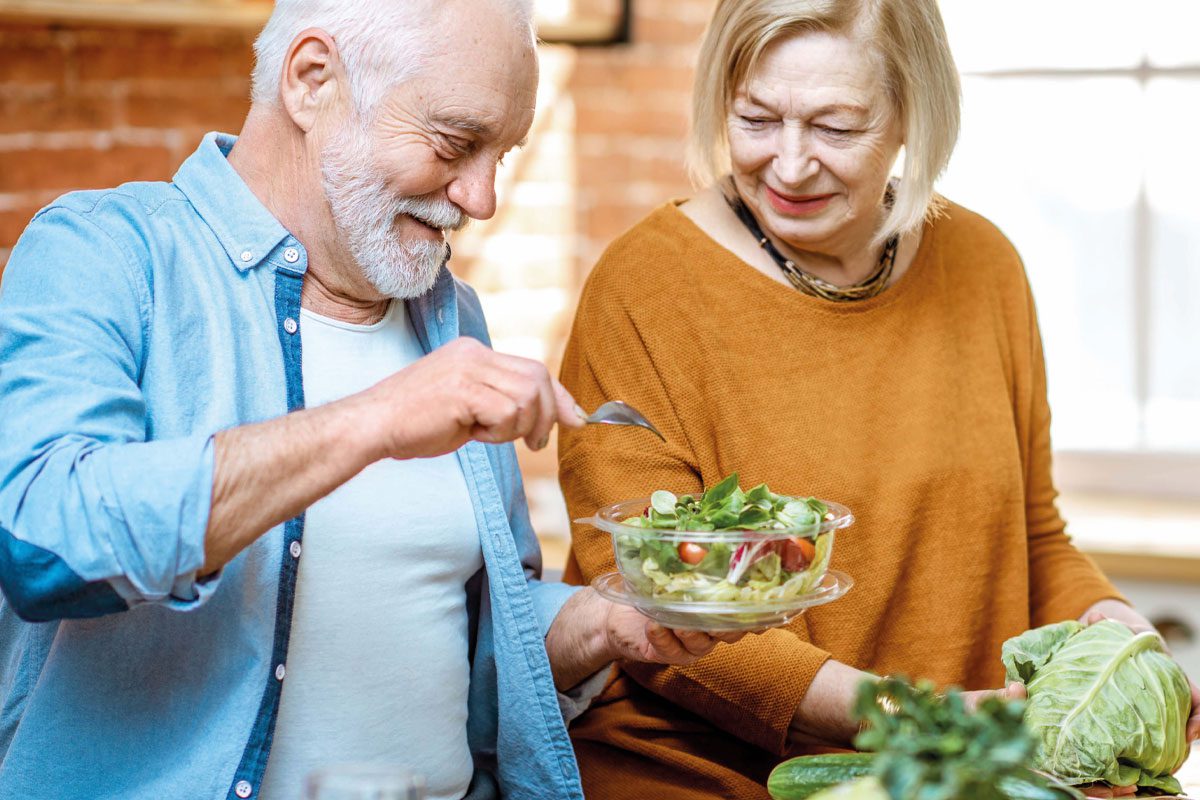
[312, 77]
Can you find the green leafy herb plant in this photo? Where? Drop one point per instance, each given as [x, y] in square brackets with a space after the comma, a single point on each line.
[926, 746]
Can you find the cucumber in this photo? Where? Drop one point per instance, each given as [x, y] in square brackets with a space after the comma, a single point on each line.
[802, 777]
[798, 778]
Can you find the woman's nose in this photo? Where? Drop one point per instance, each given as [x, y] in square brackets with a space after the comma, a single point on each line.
[794, 161]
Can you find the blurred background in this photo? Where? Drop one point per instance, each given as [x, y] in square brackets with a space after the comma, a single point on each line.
[1079, 141]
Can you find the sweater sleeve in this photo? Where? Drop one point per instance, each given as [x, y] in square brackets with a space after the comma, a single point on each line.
[1063, 582]
[749, 689]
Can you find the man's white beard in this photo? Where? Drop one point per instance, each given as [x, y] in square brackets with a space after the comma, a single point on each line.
[365, 213]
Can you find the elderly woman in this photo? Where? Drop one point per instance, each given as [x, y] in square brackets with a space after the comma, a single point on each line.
[811, 323]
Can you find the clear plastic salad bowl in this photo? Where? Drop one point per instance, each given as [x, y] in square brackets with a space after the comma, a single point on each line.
[720, 579]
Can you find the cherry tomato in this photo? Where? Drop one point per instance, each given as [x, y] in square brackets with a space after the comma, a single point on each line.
[691, 553]
[798, 554]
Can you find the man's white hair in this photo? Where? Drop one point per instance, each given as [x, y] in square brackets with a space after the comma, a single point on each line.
[381, 42]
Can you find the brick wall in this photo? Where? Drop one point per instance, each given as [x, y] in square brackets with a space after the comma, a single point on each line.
[87, 108]
[93, 107]
[608, 143]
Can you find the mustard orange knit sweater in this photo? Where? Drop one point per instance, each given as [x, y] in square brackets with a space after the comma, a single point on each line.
[923, 409]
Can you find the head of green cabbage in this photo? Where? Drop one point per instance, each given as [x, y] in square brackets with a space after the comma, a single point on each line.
[1105, 704]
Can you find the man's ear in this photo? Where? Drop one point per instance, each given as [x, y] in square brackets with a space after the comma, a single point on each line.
[312, 78]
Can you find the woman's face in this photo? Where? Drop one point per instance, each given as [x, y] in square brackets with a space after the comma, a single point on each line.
[812, 138]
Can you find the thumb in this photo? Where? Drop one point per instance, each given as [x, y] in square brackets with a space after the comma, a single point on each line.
[570, 415]
[1016, 691]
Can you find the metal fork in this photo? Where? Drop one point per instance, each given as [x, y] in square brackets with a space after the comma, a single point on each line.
[616, 412]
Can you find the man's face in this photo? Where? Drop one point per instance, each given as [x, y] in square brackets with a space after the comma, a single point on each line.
[426, 162]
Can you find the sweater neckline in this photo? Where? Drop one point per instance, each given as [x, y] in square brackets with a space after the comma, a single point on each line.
[753, 279]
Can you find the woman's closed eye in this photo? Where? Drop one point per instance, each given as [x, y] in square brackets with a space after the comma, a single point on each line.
[754, 123]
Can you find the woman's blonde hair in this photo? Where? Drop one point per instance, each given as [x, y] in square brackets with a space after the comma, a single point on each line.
[907, 36]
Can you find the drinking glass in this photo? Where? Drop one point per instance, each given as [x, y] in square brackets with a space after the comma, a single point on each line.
[363, 782]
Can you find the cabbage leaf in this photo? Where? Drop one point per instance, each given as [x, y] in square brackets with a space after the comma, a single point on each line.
[1105, 704]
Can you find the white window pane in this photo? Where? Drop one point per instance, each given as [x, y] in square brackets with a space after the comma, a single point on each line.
[1171, 30]
[1053, 163]
[1173, 191]
[1020, 34]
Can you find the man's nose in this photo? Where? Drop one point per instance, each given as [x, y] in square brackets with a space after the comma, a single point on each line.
[474, 190]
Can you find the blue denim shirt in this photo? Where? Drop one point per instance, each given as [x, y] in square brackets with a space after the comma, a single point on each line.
[135, 323]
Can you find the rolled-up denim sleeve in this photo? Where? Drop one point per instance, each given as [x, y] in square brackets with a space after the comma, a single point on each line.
[94, 518]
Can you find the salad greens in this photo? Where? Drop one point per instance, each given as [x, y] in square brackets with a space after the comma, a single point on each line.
[1105, 704]
[726, 507]
[757, 566]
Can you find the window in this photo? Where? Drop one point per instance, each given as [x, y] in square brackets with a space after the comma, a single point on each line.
[1080, 141]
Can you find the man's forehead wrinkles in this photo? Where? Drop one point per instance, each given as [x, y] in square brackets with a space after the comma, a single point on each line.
[466, 123]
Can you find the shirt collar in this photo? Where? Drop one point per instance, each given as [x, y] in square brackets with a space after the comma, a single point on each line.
[249, 233]
[435, 313]
[246, 229]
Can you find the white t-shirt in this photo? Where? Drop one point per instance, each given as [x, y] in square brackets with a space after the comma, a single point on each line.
[377, 662]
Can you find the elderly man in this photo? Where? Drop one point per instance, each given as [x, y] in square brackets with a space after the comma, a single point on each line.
[256, 517]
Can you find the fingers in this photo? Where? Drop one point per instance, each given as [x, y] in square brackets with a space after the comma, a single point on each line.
[569, 414]
[666, 646]
[1193, 726]
[1102, 790]
[1093, 617]
[1013, 691]
[496, 415]
[678, 647]
[698, 643]
[526, 384]
[531, 408]
[536, 401]
[728, 637]
[539, 437]
[525, 381]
